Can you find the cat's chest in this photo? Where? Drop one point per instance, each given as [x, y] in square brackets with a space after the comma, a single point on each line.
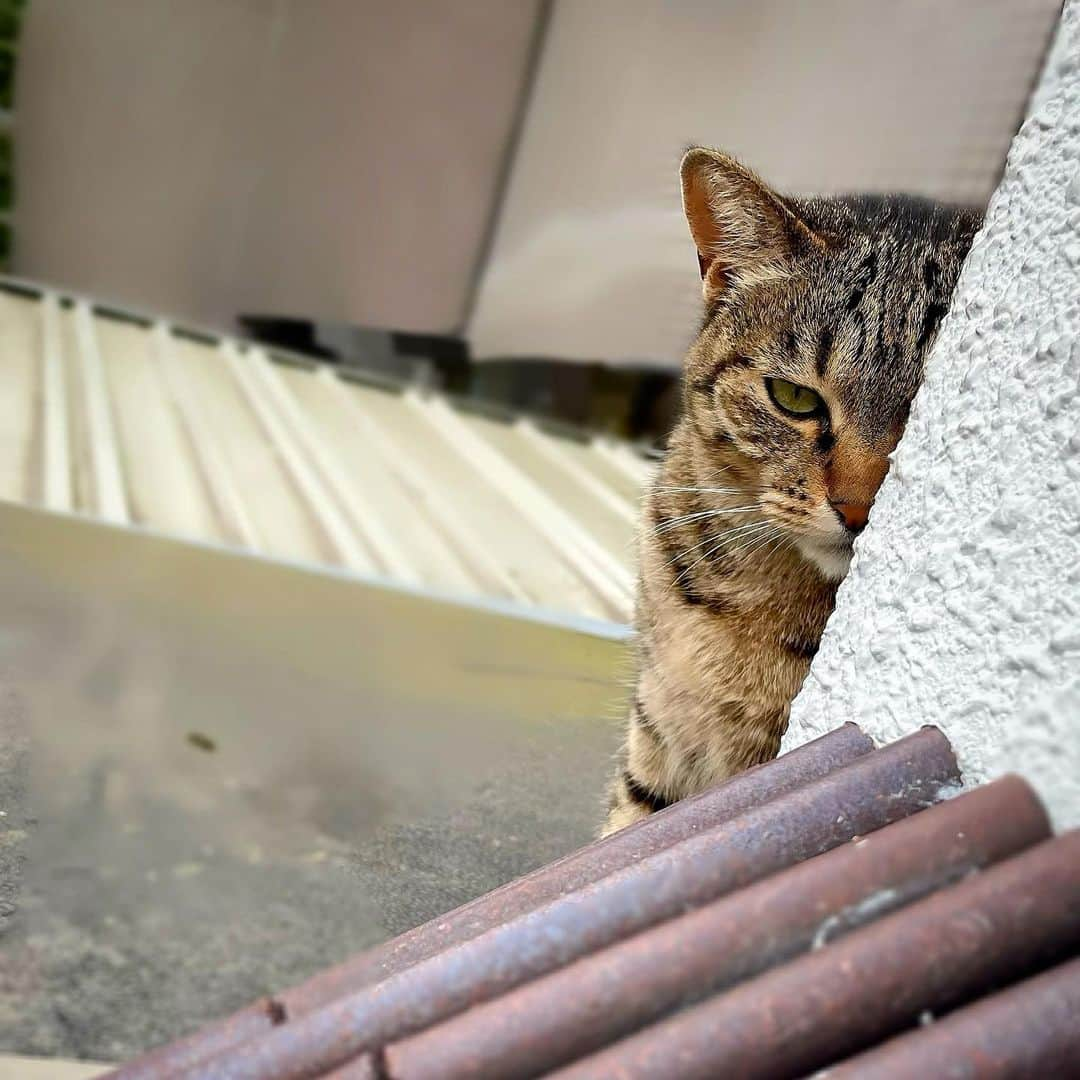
[762, 648]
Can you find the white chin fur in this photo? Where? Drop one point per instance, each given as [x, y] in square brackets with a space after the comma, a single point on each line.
[833, 562]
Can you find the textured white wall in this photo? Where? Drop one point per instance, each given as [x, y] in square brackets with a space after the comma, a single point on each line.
[963, 604]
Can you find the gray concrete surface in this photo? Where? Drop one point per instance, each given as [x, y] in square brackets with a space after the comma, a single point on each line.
[220, 774]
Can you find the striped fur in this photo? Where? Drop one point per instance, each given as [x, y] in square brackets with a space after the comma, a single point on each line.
[744, 537]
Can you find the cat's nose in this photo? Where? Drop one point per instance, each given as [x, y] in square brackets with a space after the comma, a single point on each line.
[853, 515]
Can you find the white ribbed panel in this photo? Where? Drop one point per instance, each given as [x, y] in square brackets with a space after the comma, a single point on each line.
[106, 474]
[597, 566]
[320, 502]
[635, 467]
[462, 537]
[363, 516]
[56, 450]
[557, 453]
[139, 423]
[221, 489]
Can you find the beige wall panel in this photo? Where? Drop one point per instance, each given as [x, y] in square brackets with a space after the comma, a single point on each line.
[591, 259]
[328, 159]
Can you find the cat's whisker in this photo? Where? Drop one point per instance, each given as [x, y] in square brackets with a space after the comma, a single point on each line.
[685, 519]
[786, 540]
[738, 530]
[701, 490]
[763, 546]
[723, 539]
[749, 544]
[720, 470]
[734, 531]
[777, 540]
[705, 555]
[753, 543]
[728, 533]
[682, 554]
[718, 510]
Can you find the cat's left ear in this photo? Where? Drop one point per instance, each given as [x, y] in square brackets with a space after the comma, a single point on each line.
[740, 226]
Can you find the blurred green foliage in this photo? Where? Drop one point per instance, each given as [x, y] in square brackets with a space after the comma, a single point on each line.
[11, 16]
[7, 73]
[6, 175]
[11, 12]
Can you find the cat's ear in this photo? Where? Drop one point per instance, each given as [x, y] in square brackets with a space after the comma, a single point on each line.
[740, 226]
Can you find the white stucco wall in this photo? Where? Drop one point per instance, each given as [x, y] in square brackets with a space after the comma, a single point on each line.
[963, 605]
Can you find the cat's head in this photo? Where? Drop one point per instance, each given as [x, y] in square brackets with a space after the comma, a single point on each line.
[819, 315]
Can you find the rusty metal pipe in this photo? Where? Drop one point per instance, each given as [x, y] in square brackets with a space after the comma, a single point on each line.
[251, 1022]
[946, 949]
[576, 870]
[361, 1068]
[874, 791]
[1032, 1029]
[605, 996]
[655, 833]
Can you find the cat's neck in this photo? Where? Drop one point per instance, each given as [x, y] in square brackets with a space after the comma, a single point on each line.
[720, 545]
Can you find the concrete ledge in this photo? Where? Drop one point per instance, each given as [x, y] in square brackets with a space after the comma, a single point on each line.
[13, 1067]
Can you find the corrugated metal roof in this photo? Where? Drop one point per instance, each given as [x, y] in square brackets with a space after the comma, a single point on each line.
[794, 916]
[137, 422]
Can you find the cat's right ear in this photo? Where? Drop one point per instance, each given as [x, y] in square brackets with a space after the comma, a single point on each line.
[742, 229]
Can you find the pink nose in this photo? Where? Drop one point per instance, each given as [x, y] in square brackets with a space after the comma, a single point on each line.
[853, 515]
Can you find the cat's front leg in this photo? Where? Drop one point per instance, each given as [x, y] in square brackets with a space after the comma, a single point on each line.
[646, 781]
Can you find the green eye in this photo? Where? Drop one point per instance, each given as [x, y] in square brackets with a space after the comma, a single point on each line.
[794, 399]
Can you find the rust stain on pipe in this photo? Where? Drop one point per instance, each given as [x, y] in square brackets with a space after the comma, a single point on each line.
[365, 1067]
[875, 790]
[1032, 1029]
[946, 949]
[575, 871]
[605, 996]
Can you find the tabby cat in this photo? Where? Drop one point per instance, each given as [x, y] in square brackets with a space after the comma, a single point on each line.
[818, 317]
